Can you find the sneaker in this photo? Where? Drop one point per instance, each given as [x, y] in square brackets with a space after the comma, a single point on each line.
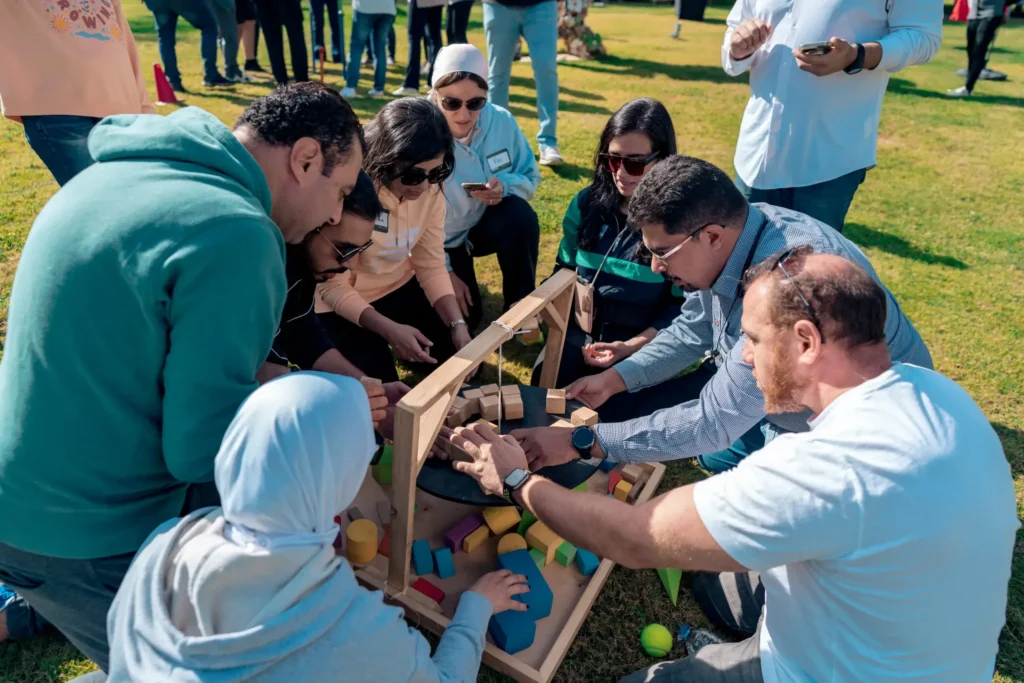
[550, 156]
[238, 77]
[376, 92]
[391, 61]
[176, 86]
[217, 82]
[960, 92]
[406, 92]
[348, 93]
[675, 33]
[253, 66]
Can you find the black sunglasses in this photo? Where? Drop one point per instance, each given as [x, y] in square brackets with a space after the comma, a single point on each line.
[345, 254]
[455, 104]
[779, 263]
[416, 175]
[634, 166]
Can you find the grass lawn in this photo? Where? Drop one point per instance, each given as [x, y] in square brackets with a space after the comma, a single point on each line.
[942, 219]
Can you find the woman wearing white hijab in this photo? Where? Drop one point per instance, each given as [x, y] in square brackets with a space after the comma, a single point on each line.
[253, 591]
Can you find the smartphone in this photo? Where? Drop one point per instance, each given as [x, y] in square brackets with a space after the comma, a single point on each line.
[470, 187]
[816, 49]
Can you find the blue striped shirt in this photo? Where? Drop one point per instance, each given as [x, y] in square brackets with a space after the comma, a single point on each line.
[730, 403]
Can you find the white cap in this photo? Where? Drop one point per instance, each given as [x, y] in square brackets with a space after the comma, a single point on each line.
[460, 57]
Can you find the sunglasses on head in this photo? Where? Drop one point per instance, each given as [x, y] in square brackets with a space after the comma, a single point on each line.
[455, 104]
[780, 264]
[633, 165]
[416, 175]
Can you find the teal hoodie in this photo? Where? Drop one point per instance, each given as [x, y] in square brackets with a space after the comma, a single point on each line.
[146, 297]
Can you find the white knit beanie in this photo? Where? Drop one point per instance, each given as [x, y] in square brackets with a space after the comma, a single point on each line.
[460, 57]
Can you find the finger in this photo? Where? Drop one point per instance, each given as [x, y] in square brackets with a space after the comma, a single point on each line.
[516, 606]
[421, 338]
[574, 389]
[425, 357]
[469, 435]
[487, 434]
[518, 589]
[510, 440]
[464, 467]
[463, 299]
[521, 434]
[517, 579]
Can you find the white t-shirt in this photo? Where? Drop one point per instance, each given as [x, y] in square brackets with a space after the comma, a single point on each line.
[883, 536]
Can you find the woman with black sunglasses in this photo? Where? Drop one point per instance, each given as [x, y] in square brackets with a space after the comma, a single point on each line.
[495, 178]
[397, 295]
[621, 303]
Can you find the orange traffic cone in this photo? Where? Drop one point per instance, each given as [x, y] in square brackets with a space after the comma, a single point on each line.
[960, 11]
[164, 91]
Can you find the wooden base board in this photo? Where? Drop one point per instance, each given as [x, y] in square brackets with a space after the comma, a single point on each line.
[574, 593]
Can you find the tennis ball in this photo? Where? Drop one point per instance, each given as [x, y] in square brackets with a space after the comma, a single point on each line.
[656, 640]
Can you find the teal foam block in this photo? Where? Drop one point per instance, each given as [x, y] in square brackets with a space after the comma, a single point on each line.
[607, 465]
[586, 561]
[512, 631]
[445, 565]
[539, 597]
[422, 558]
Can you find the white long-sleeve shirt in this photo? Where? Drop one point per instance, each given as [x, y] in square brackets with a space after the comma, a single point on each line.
[800, 129]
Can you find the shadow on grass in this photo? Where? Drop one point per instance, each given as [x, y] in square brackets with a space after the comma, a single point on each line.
[864, 236]
[524, 82]
[1013, 446]
[644, 68]
[563, 104]
[902, 86]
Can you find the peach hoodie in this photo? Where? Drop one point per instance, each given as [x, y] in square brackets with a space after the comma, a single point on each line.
[412, 245]
[68, 57]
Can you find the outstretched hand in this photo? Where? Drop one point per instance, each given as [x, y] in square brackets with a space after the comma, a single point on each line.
[494, 457]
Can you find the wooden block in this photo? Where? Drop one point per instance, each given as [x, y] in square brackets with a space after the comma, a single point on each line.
[473, 396]
[555, 402]
[622, 490]
[539, 598]
[453, 537]
[428, 589]
[539, 558]
[632, 473]
[382, 470]
[472, 541]
[634, 493]
[526, 522]
[354, 513]
[510, 390]
[385, 545]
[486, 423]
[513, 407]
[362, 541]
[512, 631]
[613, 480]
[529, 332]
[541, 537]
[586, 561]
[501, 519]
[583, 416]
[490, 390]
[443, 562]
[384, 512]
[510, 542]
[460, 412]
[489, 406]
[564, 424]
[565, 554]
[422, 558]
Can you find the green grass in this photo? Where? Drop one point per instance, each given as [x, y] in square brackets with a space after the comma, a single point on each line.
[942, 219]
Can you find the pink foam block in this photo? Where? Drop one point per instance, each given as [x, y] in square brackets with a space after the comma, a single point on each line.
[453, 537]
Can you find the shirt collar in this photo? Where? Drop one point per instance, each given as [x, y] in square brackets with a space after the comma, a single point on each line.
[729, 279]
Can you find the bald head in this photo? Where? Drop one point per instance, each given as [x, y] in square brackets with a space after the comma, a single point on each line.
[842, 299]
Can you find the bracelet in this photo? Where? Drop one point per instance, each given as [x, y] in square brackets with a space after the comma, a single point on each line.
[455, 323]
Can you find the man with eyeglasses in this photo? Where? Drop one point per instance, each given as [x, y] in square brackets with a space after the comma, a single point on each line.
[703, 236]
[849, 552]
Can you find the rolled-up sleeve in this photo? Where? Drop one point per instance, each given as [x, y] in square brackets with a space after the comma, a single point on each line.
[740, 11]
[915, 33]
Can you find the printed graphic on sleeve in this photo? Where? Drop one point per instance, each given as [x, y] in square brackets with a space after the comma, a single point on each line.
[94, 19]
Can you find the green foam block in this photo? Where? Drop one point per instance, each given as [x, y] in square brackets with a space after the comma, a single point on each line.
[566, 553]
[538, 558]
[582, 488]
[670, 579]
[382, 470]
[525, 522]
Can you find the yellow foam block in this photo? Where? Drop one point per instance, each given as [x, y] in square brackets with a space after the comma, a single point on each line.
[542, 538]
[473, 541]
[501, 519]
[362, 541]
[622, 489]
[510, 542]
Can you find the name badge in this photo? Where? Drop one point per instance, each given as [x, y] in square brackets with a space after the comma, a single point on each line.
[499, 161]
[380, 223]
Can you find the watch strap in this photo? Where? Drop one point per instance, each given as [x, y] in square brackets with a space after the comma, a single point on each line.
[858, 63]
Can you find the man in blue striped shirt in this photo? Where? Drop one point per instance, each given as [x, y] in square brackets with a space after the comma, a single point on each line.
[702, 235]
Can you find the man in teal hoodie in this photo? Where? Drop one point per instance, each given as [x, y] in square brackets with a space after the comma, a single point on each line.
[147, 296]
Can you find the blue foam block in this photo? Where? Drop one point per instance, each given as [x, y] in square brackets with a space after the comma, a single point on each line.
[512, 631]
[422, 558]
[586, 561]
[443, 560]
[607, 465]
[539, 597]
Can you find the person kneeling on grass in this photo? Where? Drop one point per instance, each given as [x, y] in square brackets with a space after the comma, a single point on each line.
[627, 303]
[397, 293]
[489, 150]
[253, 590]
[879, 534]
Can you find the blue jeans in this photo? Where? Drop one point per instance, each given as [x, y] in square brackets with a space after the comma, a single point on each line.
[727, 458]
[364, 25]
[316, 28]
[200, 16]
[23, 622]
[827, 202]
[538, 24]
[227, 29]
[61, 143]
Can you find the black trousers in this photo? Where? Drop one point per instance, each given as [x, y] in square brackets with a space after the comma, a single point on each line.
[457, 21]
[371, 353]
[511, 230]
[980, 34]
[275, 14]
[423, 22]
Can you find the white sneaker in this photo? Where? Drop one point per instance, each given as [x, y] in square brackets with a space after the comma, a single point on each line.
[375, 93]
[960, 92]
[675, 33]
[391, 60]
[348, 93]
[550, 156]
[406, 92]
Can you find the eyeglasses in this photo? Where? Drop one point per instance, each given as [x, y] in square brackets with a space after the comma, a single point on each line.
[671, 252]
[634, 166]
[455, 104]
[810, 311]
[416, 175]
[345, 255]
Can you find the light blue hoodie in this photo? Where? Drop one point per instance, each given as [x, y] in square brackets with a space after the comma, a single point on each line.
[496, 132]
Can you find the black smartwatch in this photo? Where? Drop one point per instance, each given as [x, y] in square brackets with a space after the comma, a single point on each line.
[858, 63]
[583, 440]
[515, 480]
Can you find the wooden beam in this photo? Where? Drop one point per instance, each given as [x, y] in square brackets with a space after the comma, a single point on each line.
[562, 305]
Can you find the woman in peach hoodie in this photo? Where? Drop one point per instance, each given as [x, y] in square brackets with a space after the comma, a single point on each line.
[397, 294]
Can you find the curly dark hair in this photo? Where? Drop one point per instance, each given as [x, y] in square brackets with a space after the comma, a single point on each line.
[404, 133]
[306, 110]
[363, 200]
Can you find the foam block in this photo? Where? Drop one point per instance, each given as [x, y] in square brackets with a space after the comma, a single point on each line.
[362, 541]
[607, 465]
[586, 562]
[490, 390]
[613, 480]
[489, 407]
[422, 558]
[512, 631]
[555, 404]
[538, 558]
[428, 589]
[583, 416]
[510, 542]
[582, 487]
[539, 598]
[473, 540]
[632, 473]
[565, 554]
[670, 580]
[541, 537]
[512, 406]
[501, 519]
[382, 470]
[384, 512]
[622, 490]
[453, 537]
[443, 562]
[527, 519]
[354, 513]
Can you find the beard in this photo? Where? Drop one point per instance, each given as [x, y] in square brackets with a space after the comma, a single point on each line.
[780, 388]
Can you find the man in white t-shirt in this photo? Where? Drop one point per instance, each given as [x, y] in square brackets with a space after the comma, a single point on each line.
[883, 536]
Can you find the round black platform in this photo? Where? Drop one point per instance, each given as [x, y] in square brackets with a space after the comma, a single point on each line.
[438, 478]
